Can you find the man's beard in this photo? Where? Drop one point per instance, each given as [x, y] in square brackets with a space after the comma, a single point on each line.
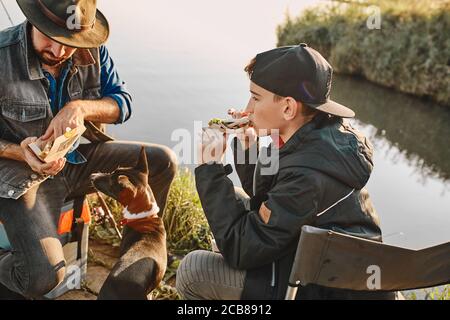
[49, 59]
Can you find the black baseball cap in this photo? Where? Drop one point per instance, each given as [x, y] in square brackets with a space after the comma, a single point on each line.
[299, 72]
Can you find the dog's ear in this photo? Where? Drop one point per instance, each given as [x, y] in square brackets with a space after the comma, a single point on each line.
[128, 191]
[142, 164]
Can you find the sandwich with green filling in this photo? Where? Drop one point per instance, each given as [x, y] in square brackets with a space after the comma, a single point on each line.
[228, 124]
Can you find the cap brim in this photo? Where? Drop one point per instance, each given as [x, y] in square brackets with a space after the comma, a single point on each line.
[334, 108]
[86, 39]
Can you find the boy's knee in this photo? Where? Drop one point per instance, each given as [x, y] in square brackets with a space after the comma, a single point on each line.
[188, 276]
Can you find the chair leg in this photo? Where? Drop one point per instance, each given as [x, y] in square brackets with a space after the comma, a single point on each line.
[291, 293]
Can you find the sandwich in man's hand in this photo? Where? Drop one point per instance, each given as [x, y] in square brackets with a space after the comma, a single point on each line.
[49, 151]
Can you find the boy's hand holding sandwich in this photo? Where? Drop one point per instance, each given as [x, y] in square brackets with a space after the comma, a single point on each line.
[214, 137]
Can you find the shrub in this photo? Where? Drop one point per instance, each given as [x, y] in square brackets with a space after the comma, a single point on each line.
[410, 52]
[184, 219]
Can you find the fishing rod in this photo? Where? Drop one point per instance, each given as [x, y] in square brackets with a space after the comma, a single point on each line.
[7, 13]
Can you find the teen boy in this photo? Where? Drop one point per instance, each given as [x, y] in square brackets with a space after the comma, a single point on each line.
[323, 167]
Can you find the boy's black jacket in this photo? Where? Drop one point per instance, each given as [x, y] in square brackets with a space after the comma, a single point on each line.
[319, 165]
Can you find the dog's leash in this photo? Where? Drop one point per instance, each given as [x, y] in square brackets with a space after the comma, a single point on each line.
[109, 214]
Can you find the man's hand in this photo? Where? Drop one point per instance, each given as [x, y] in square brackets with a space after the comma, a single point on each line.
[246, 136]
[70, 116]
[212, 146]
[52, 168]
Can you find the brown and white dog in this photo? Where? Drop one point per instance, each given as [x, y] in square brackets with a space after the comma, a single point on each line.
[143, 253]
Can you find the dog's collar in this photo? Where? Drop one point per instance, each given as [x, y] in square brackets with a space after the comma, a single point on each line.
[132, 216]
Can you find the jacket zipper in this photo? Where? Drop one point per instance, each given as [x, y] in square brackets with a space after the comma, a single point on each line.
[272, 283]
[254, 176]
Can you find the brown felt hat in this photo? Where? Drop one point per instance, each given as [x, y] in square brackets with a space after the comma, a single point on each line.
[74, 23]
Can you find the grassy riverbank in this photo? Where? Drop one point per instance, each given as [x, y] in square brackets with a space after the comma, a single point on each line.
[408, 53]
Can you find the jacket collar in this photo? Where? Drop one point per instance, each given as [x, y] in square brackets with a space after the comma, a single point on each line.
[33, 64]
[301, 134]
[81, 57]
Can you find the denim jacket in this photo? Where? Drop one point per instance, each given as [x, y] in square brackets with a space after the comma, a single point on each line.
[25, 109]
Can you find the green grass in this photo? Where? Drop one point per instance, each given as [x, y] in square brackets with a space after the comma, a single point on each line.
[186, 227]
[184, 219]
[410, 53]
[437, 293]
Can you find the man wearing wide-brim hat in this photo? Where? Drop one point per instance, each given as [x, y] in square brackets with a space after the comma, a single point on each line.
[56, 74]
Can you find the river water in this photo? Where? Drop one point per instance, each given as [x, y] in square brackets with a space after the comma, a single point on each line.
[183, 62]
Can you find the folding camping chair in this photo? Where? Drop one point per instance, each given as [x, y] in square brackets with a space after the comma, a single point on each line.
[337, 260]
[77, 214]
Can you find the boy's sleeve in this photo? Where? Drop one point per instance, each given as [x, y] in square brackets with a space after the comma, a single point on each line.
[243, 238]
[112, 86]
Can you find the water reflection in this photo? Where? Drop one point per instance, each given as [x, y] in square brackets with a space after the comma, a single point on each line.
[419, 129]
[410, 181]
